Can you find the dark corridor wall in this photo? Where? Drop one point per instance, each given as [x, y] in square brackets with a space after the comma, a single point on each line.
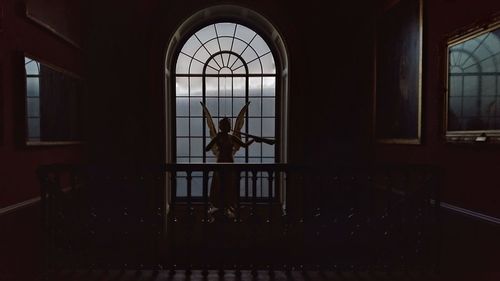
[18, 162]
[470, 171]
[329, 50]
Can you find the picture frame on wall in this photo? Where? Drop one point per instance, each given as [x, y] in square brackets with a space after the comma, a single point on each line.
[54, 101]
[398, 74]
[472, 96]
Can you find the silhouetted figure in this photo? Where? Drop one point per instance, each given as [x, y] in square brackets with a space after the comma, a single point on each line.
[225, 184]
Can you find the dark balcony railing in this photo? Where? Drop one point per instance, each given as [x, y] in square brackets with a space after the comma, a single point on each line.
[338, 218]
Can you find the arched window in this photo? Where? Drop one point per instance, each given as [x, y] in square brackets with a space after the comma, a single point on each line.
[224, 66]
[225, 56]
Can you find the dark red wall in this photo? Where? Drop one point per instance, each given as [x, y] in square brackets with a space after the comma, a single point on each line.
[18, 162]
[471, 171]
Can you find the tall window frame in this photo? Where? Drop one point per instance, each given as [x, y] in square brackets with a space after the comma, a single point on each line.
[225, 65]
[256, 22]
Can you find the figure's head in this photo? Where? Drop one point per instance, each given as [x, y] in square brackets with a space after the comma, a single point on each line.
[225, 125]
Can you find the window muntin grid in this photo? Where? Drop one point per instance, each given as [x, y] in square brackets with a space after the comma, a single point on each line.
[473, 83]
[225, 65]
[32, 68]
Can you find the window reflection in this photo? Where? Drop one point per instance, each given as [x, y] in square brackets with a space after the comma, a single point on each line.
[473, 83]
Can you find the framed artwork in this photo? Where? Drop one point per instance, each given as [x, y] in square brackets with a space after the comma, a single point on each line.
[54, 103]
[398, 72]
[472, 107]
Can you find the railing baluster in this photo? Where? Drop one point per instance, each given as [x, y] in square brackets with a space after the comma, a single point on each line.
[205, 222]
[254, 192]
[269, 219]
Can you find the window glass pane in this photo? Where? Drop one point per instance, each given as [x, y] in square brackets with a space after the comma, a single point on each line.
[213, 47]
[244, 33]
[239, 86]
[455, 105]
[471, 67]
[471, 86]
[182, 126]
[488, 85]
[197, 187]
[260, 45]
[240, 70]
[225, 28]
[213, 107]
[182, 147]
[255, 67]
[268, 66]
[226, 59]
[255, 107]
[239, 46]
[33, 127]
[202, 55]
[488, 106]
[238, 104]
[456, 85]
[32, 87]
[248, 55]
[232, 60]
[268, 127]
[255, 86]
[470, 106]
[488, 65]
[195, 84]
[191, 45]
[206, 33]
[195, 106]
[196, 128]
[225, 44]
[267, 150]
[182, 108]
[218, 59]
[212, 86]
[255, 150]
[181, 185]
[212, 70]
[268, 107]
[238, 65]
[33, 106]
[196, 147]
[482, 53]
[182, 66]
[196, 67]
[254, 126]
[32, 67]
[181, 86]
[269, 86]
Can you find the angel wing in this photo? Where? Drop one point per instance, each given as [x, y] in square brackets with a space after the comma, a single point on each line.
[240, 121]
[211, 127]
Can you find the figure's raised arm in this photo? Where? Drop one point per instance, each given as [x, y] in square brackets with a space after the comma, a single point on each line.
[240, 143]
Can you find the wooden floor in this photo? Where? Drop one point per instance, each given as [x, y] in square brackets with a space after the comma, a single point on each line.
[147, 275]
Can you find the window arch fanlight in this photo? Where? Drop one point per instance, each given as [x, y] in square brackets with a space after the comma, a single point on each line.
[226, 64]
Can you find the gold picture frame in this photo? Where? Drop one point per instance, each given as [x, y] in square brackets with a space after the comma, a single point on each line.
[398, 74]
